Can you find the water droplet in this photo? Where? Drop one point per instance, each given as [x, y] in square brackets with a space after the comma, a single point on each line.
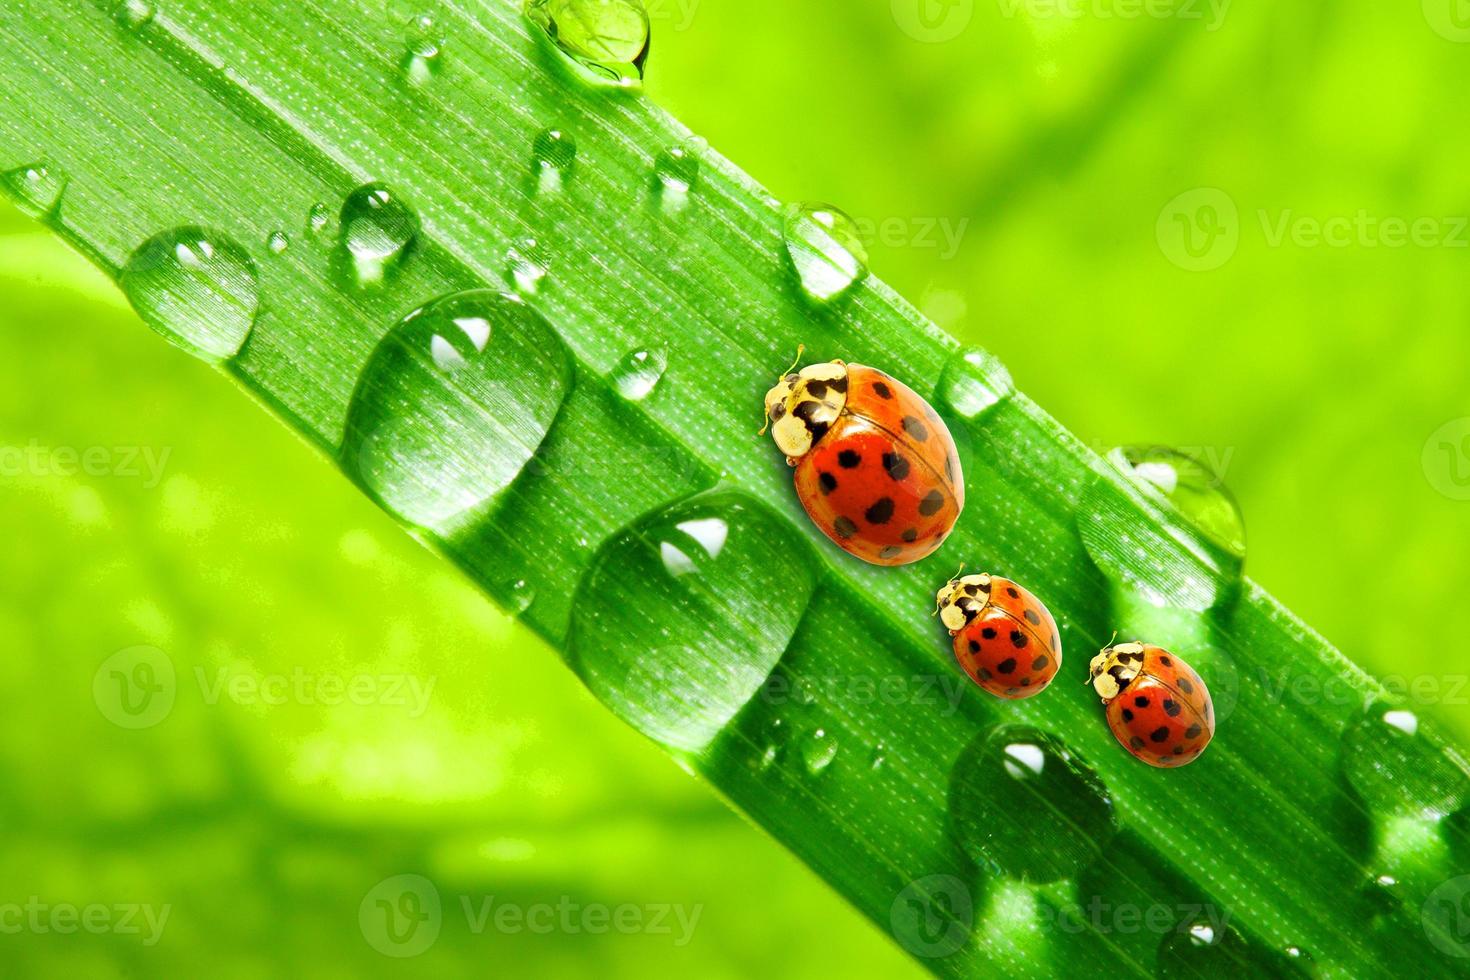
[525, 266]
[1013, 779]
[378, 229]
[1195, 489]
[825, 248]
[453, 403]
[880, 756]
[677, 171]
[553, 154]
[198, 288]
[35, 188]
[423, 51]
[974, 382]
[1398, 770]
[519, 596]
[278, 242]
[639, 372]
[609, 38]
[818, 749]
[683, 615]
[318, 218]
[135, 14]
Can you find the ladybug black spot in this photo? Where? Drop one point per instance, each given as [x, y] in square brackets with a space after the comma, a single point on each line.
[1018, 639]
[1136, 742]
[817, 388]
[931, 503]
[988, 633]
[1040, 662]
[827, 481]
[916, 429]
[1007, 666]
[1194, 731]
[911, 534]
[1140, 701]
[1166, 661]
[1159, 734]
[1178, 750]
[881, 512]
[896, 465]
[1171, 707]
[1012, 593]
[882, 390]
[1185, 686]
[844, 527]
[1026, 682]
[847, 459]
[974, 646]
[985, 674]
[892, 551]
[1127, 714]
[778, 411]
[1032, 618]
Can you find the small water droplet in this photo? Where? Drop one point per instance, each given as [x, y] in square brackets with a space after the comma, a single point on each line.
[318, 218]
[974, 382]
[278, 242]
[378, 230]
[423, 54]
[639, 372]
[453, 403]
[553, 154]
[609, 38]
[818, 749]
[134, 15]
[768, 757]
[526, 265]
[197, 288]
[677, 171]
[519, 596]
[825, 249]
[740, 578]
[880, 756]
[1195, 489]
[1398, 770]
[1013, 779]
[35, 188]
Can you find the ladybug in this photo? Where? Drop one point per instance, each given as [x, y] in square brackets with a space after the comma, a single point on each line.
[1158, 707]
[876, 468]
[1004, 638]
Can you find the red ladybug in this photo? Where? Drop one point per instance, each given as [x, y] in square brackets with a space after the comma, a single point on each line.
[1157, 706]
[1004, 638]
[876, 468]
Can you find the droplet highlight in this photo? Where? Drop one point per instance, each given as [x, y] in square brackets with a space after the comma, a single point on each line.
[378, 230]
[553, 155]
[1396, 769]
[35, 188]
[278, 242]
[526, 265]
[608, 38]
[684, 614]
[133, 15]
[197, 288]
[818, 749]
[453, 403]
[1014, 779]
[638, 373]
[974, 382]
[825, 249]
[1195, 489]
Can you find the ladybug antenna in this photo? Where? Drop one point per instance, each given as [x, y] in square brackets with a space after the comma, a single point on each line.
[800, 350]
[952, 580]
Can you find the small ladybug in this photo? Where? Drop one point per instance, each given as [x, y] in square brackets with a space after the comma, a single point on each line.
[1157, 706]
[876, 468]
[1004, 638]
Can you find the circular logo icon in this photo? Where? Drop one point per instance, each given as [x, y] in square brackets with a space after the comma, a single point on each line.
[1446, 917]
[933, 21]
[933, 916]
[401, 916]
[1199, 230]
[1450, 19]
[1446, 459]
[135, 688]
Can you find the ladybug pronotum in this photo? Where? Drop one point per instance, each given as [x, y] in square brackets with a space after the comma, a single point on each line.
[1004, 637]
[1157, 706]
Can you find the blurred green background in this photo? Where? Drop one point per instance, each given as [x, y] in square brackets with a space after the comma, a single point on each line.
[1238, 229]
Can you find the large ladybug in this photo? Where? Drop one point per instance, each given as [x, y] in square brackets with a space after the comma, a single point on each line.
[876, 469]
[1004, 638]
[1158, 707]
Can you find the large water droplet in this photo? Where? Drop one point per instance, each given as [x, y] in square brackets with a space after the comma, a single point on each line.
[818, 749]
[36, 188]
[1195, 489]
[198, 288]
[526, 265]
[1014, 779]
[423, 51]
[553, 154]
[684, 614]
[639, 372]
[609, 38]
[825, 249]
[278, 242]
[134, 15]
[1397, 770]
[378, 229]
[974, 382]
[453, 403]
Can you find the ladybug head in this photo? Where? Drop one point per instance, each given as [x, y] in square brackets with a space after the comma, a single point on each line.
[803, 405]
[961, 600]
[1114, 668]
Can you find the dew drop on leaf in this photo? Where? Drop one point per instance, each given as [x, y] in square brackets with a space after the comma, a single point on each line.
[639, 372]
[197, 288]
[553, 154]
[818, 749]
[518, 596]
[1397, 770]
[134, 15]
[453, 403]
[378, 230]
[525, 266]
[1013, 779]
[677, 170]
[608, 38]
[318, 218]
[278, 242]
[974, 382]
[684, 614]
[35, 188]
[1195, 489]
[423, 51]
[825, 248]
